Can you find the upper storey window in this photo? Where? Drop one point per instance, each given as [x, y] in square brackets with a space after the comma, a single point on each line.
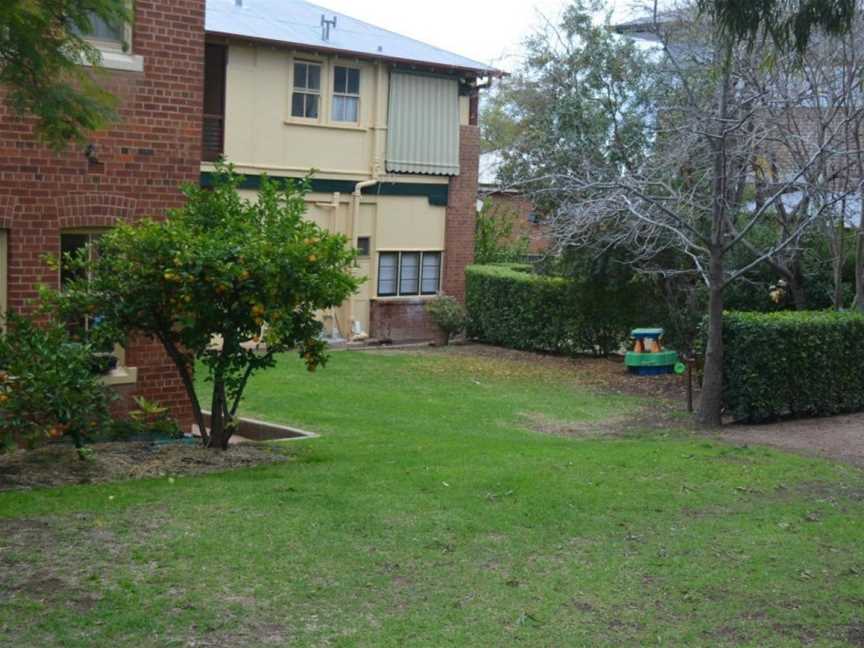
[113, 39]
[306, 99]
[346, 94]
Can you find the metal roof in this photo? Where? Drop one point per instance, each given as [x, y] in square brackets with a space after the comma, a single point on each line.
[298, 23]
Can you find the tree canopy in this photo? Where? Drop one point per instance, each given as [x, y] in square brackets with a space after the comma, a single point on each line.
[790, 23]
[41, 55]
[225, 281]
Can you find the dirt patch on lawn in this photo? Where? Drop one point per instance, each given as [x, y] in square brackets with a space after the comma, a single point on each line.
[59, 465]
[840, 438]
[608, 375]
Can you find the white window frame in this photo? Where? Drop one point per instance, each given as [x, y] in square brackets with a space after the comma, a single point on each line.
[420, 294]
[123, 374]
[118, 55]
[306, 91]
[347, 95]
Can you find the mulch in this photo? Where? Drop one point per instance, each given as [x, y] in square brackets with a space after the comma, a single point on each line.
[59, 465]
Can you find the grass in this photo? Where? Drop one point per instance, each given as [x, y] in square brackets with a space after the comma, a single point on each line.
[431, 514]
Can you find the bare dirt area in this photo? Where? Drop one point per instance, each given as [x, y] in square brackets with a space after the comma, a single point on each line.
[840, 438]
[59, 465]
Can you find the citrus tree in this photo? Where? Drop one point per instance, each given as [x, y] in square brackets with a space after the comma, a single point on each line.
[225, 281]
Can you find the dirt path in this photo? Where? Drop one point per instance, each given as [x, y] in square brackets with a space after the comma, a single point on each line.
[840, 438]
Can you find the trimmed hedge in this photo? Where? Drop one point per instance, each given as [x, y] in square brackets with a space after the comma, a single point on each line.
[510, 306]
[798, 363]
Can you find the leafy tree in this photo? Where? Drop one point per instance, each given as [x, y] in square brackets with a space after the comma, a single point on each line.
[494, 240]
[41, 56]
[226, 281]
[48, 389]
[789, 23]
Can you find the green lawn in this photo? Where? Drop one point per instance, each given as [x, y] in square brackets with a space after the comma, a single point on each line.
[431, 514]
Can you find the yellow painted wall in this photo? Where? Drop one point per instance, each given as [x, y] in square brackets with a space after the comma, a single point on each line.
[393, 223]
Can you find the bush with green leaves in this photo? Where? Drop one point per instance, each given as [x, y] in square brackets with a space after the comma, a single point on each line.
[802, 363]
[448, 314]
[48, 389]
[510, 306]
[225, 280]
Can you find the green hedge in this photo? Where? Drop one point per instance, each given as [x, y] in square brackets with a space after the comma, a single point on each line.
[798, 363]
[510, 306]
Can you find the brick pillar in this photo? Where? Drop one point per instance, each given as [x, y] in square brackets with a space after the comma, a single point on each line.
[462, 214]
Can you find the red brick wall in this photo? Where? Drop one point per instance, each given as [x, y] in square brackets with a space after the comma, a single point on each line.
[402, 321]
[517, 208]
[142, 159]
[462, 214]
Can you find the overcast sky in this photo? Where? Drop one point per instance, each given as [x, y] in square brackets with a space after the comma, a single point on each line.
[489, 31]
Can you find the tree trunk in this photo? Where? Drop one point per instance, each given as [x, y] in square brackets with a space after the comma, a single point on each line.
[796, 286]
[711, 404]
[221, 429]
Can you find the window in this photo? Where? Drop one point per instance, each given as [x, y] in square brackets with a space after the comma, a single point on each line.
[213, 132]
[363, 246]
[346, 94]
[105, 34]
[307, 90]
[71, 245]
[85, 242]
[408, 274]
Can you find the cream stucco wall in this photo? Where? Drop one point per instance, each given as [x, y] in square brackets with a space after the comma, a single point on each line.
[261, 136]
[392, 223]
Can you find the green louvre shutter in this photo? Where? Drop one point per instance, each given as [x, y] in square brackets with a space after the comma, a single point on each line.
[423, 129]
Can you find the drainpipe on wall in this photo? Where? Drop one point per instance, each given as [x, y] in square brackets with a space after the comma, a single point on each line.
[355, 226]
[334, 206]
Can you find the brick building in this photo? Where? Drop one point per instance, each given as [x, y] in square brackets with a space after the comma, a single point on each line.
[51, 202]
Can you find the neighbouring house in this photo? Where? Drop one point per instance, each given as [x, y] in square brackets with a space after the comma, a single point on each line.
[387, 126]
[515, 206]
[53, 202]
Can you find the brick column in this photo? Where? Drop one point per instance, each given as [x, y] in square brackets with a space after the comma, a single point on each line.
[462, 214]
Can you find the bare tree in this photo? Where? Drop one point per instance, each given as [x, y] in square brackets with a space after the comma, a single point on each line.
[689, 194]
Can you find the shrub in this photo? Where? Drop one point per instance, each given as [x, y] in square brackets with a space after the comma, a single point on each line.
[47, 386]
[798, 363]
[508, 306]
[448, 314]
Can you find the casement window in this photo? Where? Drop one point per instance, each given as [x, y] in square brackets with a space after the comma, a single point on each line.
[409, 274]
[107, 35]
[346, 94]
[72, 244]
[306, 99]
[213, 132]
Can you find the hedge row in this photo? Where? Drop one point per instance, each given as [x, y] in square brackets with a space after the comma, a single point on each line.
[510, 306]
[798, 363]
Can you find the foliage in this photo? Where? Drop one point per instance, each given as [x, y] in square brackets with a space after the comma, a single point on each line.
[47, 387]
[226, 280]
[800, 363]
[790, 23]
[41, 52]
[510, 307]
[580, 98]
[448, 314]
[494, 241]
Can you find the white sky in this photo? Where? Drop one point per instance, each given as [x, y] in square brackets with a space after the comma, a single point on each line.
[489, 31]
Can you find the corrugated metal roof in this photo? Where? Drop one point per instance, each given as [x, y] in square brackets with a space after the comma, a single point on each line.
[299, 23]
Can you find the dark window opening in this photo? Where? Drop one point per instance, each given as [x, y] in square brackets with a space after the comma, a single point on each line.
[364, 246]
[213, 132]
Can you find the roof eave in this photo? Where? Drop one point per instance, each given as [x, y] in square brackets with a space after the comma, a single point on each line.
[479, 72]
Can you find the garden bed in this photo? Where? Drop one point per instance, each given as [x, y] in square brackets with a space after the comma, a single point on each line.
[59, 465]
